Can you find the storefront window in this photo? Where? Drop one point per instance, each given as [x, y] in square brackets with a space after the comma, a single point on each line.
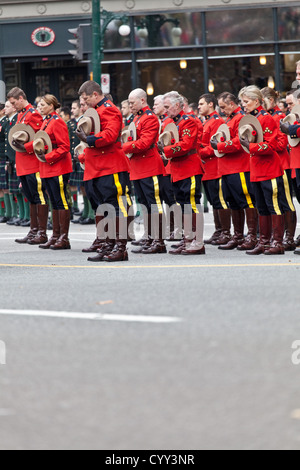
[288, 67]
[289, 23]
[113, 40]
[239, 26]
[161, 32]
[120, 80]
[235, 73]
[168, 75]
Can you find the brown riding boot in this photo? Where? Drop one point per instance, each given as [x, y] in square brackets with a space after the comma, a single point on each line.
[42, 216]
[225, 219]
[119, 252]
[106, 248]
[238, 219]
[265, 229]
[251, 239]
[158, 245]
[277, 247]
[33, 226]
[97, 243]
[56, 231]
[291, 226]
[63, 243]
[218, 228]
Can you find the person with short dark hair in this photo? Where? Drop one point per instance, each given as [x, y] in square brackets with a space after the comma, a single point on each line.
[212, 179]
[27, 166]
[106, 172]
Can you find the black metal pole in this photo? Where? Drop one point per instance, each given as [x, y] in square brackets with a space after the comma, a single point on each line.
[205, 53]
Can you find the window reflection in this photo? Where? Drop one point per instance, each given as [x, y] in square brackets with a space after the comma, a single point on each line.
[239, 26]
[160, 30]
[289, 23]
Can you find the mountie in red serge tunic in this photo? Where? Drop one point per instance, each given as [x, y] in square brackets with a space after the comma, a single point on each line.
[185, 161]
[59, 161]
[235, 160]
[146, 161]
[27, 164]
[265, 163]
[105, 156]
[207, 153]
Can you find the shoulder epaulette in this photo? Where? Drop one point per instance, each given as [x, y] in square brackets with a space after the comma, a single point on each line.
[149, 112]
[185, 117]
[107, 105]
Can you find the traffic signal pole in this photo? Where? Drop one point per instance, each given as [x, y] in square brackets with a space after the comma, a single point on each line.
[96, 31]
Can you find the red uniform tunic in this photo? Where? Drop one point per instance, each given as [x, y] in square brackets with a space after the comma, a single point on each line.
[185, 161]
[211, 125]
[265, 163]
[282, 140]
[146, 161]
[235, 160]
[59, 161]
[200, 137]
[27, 164]
[105, 155]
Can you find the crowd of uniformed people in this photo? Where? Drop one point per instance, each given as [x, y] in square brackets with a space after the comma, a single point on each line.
[244, 151]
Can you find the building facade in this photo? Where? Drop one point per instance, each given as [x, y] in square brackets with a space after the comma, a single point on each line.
[187, 45]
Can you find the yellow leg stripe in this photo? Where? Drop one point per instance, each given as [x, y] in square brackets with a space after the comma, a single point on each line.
[275, 197]
[62, 192]
[221, 195]
[288, 192]
[120, 194]
[129, 201]
[193, 193]
[157, 196]
[40, 189]
[245, 190]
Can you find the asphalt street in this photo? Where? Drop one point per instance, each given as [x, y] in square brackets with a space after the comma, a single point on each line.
[161, 352]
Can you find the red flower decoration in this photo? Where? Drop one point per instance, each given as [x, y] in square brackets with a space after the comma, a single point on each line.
[173, 141]
[296, 123]
[130, 139]
[222, 139]
[254, 133]
[46, 147]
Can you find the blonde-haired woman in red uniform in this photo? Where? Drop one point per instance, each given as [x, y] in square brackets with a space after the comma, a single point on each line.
[271, 98]
[55, 172]
[266, 174]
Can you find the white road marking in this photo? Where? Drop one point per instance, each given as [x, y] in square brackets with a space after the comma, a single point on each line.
[92, 316]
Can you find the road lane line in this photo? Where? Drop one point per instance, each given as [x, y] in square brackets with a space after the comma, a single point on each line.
[173, 266]
[92, 316]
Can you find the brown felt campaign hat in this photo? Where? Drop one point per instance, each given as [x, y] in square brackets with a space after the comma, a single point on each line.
[42, 143]
[250, 127]
[129, 135]
[22, 133]
[79, 150]
[170, 135]
[223, 135]
[293, 118]
[90, 122]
